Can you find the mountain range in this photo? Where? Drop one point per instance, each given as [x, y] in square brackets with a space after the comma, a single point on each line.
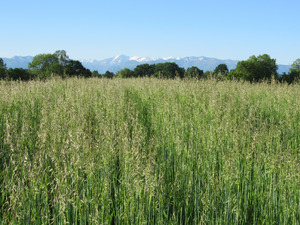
[120, 62]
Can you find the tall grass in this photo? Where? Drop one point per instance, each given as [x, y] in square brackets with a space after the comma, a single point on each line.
[148, 151]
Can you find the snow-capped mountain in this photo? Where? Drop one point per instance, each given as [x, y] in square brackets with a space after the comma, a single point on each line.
[120, 62]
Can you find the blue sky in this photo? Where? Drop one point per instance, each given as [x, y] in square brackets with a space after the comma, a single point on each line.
[93, 29]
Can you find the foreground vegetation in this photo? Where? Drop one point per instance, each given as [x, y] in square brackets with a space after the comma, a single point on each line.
[149, 151]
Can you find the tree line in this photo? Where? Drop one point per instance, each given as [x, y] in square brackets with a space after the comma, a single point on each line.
[254, 69]
[44, 66]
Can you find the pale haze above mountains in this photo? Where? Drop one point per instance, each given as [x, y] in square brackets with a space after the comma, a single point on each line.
[122, 61]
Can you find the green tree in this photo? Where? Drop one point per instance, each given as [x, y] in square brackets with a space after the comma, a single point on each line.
[235, 75]
[41, 62]
[95, 73]
[256, 68]
[3, 73]
[208, 74]
[44, 65]
[294, 73]
[3, 70]
[194, 72]
[109, 74]
[126, 73]
[75, 68]
[63, 60]
[296, 65]
[168, 70]
[221, 69]
[2, 64]
[144, 70]
[19, 74]
[62, 57]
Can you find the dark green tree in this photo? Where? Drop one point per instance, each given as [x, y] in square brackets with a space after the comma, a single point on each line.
[3, 70]
[109, 74]
[3, 73]
[194, 72]
[144, 70]
[221, 69]
[2, 64]
[256, 68]
[168, 70]
[19, 74]
[75, 68]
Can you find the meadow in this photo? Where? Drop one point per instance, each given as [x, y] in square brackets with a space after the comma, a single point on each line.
[149, 151]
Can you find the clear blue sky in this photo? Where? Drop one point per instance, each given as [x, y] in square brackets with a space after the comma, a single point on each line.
[95, 29]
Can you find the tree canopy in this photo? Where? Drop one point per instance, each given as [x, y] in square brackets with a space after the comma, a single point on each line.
[44, 65]
[3, 71]
[296, 65]
[294, 72]
[62, 57]
[144, 70]
[221, 69]
[168, 70]
[256, 68]
[126, 73]
[2, 64]
[194, 72]
[75, 68]
[108, 74]
[19, 74]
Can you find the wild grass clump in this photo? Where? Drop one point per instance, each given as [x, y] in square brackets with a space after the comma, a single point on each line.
[149, 151]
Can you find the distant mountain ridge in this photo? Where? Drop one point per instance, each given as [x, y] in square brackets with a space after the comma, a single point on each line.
[120, 62]
[204, 63]
[18, 61]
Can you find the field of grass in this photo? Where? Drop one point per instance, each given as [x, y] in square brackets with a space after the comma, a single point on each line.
[149, 151]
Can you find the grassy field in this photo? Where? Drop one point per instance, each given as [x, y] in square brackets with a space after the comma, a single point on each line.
[149, 151]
